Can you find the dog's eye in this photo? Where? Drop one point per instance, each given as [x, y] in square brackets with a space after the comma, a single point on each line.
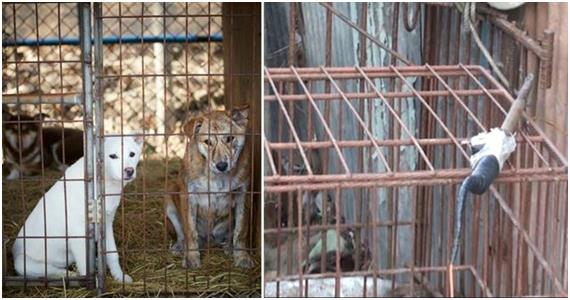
[132, 154]
[113, 156]
[208, 142]
[229, 139]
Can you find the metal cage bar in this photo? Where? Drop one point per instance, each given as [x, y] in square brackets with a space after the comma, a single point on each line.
[97, 91]
[281, 181]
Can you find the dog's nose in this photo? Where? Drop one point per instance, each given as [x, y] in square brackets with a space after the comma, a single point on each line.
[222, 166]
[129, 171]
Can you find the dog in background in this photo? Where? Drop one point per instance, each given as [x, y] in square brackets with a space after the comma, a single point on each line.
[24, 146]
[45, 246]
[210, 191]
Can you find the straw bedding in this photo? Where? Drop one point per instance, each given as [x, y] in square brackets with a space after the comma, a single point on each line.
[143, 244]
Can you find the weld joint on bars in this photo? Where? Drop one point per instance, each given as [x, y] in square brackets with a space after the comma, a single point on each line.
[324, 123]
[289, 123]
[360, 121]
[393, 112]
[333, 74]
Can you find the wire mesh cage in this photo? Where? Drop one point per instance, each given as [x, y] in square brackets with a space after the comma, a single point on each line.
[42, 124]
[144, 70]
[363, 165]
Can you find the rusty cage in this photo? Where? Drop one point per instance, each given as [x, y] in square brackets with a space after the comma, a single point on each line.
[126, 69]
[363, 163]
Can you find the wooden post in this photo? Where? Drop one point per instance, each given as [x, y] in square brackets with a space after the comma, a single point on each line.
[241, 23]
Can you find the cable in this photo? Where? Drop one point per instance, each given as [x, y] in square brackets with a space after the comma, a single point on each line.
[490, 151]
[477, 183]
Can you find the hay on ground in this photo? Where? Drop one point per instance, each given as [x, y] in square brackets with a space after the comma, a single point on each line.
[142, 242]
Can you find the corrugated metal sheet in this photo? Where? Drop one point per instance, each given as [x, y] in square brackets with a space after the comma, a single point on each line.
[551, 106]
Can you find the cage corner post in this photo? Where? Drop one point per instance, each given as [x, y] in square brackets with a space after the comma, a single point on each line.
[99, 135]
[84, 13]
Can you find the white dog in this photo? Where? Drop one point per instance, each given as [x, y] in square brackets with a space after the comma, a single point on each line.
[120, 169]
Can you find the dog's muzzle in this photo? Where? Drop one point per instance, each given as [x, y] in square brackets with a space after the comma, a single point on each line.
[222, 166]
[128, 173]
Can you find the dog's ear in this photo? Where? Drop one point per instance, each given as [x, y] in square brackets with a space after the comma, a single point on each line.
[240, 114]
[192, 126]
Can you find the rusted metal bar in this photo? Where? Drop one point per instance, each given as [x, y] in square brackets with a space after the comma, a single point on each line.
[545, 76]
[299, 241]
[384, 143]
[280, 74]
[542, 50]
[520, 36]
[269, 156]
[543, 167]
[359, 119]
[339, 236]
[324, 123]
[395, 115]
[291, 126]
[328, 38]
[361, 194]
[524, 234]
[469, 112]
[441, 123]
[407, 178]
[387, 95]
[292, 29]
[481, 283]
[443, 70]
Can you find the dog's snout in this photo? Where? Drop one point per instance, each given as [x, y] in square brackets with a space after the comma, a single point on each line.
[129, 171]
[222, 166]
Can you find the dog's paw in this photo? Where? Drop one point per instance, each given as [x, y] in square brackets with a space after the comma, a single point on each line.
[227, 250]
[242, 260]
[69, 274]
[177, 248]
[128, 279]
[191, 261]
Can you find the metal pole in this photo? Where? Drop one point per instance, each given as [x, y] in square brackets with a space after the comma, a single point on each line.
[100, 130]
[87, 90]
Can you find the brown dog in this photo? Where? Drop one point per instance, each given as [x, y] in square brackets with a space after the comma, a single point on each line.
[210, 207]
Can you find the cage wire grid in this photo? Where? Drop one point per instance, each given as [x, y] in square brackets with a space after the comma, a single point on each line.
[152, 65]
[222, 278]
[33, 81]
[545, 164]
[321, 140]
